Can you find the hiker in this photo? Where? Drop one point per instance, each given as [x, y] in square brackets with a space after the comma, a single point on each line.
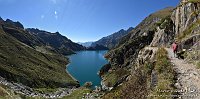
[175, 47]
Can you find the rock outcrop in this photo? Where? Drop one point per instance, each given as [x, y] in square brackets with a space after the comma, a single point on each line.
[164, 35]
[187, 13]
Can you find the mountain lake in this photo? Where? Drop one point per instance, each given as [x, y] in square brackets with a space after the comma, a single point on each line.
[84, 66]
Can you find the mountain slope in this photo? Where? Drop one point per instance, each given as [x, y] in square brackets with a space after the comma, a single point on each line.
[113, 39]
[97, 47]
[61, 43]
[137, 70]
[123, 58]
[20, 62]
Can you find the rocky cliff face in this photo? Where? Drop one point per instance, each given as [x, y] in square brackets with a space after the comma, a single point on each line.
[186, 18]
[164, 34]
[181, 26]
[187, 13]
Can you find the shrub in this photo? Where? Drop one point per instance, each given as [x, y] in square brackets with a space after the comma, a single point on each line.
[165, 75]
[88, 84]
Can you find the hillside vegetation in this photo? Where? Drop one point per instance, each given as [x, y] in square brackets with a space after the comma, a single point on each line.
[20, 62]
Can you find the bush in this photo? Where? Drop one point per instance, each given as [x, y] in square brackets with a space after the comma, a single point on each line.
[88, 84]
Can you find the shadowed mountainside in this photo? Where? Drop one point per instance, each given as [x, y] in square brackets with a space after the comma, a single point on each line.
[113, 39]
[21, 62]
[61, 43]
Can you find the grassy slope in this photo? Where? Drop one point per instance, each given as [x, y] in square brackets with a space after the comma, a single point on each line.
[166, 76]
[21, 63]
[77, 94]
[5, 93]
[138, 87]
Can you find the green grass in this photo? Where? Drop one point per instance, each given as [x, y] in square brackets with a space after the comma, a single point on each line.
[194, 1]
[112, 78]
[135, 88]
[77, 94]
[6, 93]
[2, 92]
[165, 75]
[198, 65]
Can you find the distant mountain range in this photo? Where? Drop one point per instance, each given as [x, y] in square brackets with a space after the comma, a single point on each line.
[60, 43]
[113, 39]
[86, 44]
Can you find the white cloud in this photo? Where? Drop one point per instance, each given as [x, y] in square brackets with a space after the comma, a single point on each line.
[42, 16]
[56, 14]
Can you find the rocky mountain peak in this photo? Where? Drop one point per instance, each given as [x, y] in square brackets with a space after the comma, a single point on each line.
[16, 24]
[1, 19]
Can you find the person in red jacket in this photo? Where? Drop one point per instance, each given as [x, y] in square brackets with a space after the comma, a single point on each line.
[175, 47]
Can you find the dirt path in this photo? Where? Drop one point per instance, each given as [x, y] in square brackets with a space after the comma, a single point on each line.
[188, 77]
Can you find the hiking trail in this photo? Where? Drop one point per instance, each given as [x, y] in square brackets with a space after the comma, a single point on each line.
[188, 77]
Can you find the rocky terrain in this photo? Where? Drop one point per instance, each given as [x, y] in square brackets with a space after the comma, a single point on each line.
[180, 24]
[188, 77]
[30, 92]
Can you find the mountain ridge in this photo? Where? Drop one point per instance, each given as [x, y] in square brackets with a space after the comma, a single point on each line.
[21, 62]
[61, 43]
[112, 40]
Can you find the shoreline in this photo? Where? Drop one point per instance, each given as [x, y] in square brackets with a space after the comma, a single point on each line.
[71, 75]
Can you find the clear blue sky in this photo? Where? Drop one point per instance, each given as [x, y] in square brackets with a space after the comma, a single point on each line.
[81, 20]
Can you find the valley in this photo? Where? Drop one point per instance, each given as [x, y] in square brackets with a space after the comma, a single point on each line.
[133, 63]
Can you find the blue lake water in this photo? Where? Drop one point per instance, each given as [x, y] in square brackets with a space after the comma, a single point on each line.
[85, 64]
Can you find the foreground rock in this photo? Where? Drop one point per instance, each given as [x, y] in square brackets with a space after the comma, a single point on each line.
[29, 92]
